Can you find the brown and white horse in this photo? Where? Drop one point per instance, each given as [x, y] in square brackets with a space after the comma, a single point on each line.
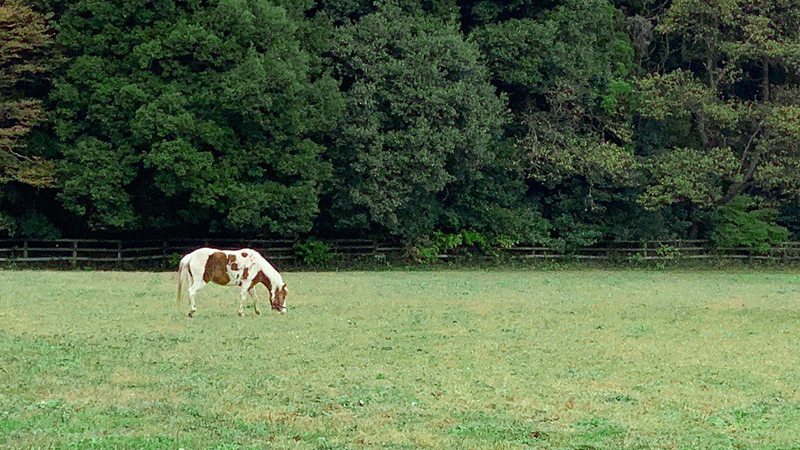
[245, 268]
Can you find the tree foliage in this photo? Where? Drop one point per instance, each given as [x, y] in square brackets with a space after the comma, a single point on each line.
[741, 223]
[566, 122]
[26, 57]
[201, 114]
[568, 71]
[726, 137]
[422, 125]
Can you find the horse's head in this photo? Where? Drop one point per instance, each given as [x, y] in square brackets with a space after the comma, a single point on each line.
[279, 299]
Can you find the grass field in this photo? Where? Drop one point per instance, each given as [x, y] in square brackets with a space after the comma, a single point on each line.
[404, 360]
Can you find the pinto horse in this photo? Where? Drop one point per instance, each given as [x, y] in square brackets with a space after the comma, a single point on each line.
[245, 268]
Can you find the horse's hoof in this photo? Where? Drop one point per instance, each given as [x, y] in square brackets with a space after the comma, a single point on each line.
[241, 314]
[191, 314]
[258, 313]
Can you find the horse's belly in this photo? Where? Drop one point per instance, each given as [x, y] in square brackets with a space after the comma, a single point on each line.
[227, 279]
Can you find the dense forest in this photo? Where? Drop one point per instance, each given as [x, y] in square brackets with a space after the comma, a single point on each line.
[562, 122]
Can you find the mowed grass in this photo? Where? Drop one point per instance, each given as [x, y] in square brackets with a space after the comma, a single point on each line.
[404, 360]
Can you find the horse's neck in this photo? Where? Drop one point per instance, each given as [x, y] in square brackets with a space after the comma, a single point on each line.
[274, 277]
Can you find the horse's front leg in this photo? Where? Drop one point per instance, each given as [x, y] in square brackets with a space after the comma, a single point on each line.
[252, 292]
[248, 286]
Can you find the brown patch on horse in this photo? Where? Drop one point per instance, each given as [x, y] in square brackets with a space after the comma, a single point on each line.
[261, 278]
[282, 296]
[244, 254]
[245, 272]
[217, 269]
[233, 263]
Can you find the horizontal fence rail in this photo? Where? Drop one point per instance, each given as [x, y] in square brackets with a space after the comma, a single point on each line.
[132, 251]
[75, 251]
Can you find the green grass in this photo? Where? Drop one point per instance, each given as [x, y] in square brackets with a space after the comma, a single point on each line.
[404, 360]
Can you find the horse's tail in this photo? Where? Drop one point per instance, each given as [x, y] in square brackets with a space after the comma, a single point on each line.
[183, 276]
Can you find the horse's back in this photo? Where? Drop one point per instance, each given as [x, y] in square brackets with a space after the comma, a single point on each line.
[200, 252]
[224, 266]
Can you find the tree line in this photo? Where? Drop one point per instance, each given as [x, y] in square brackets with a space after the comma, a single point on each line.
[561, 122]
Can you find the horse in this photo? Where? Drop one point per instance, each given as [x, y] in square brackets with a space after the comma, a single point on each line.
[244, 267]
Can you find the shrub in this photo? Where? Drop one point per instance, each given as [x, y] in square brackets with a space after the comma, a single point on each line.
[741, 223]
[313, 252]
[465, 242]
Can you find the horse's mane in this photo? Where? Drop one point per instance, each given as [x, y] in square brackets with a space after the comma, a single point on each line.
[274, 276]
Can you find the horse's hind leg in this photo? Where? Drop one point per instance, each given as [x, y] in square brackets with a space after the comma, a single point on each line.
[242, 300]
[196, 286]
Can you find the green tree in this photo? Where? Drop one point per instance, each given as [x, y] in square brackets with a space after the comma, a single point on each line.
[26, 59]
[421, 131]
[728, 35]
[729, 132]
[207, 115]
[569, 72]
[346, 11]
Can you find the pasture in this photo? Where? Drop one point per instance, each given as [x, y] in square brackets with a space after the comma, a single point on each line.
[588, 359]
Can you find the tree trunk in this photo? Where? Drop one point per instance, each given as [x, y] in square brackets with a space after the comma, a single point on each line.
[711, 67]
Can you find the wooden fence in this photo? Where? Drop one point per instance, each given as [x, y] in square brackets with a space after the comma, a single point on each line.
[76, 251]
[664, 250]
[88, 251]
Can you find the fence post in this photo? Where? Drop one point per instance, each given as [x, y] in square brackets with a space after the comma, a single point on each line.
[74, 261]
[119, 253]
[25, 248]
